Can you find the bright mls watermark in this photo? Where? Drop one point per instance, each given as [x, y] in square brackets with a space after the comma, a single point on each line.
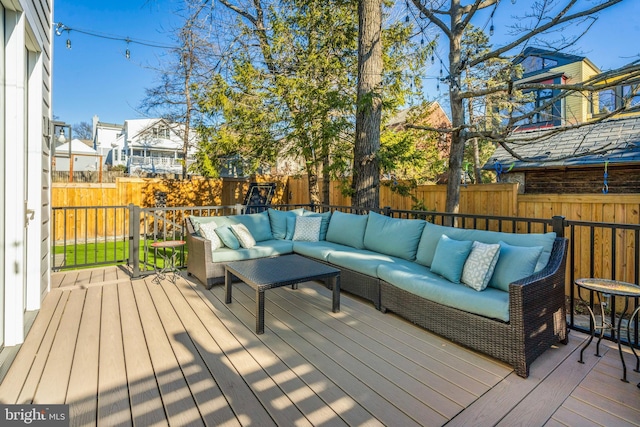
[34, 415]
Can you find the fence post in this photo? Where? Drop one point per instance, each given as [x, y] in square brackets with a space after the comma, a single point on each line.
[134, 239]
[557, 224]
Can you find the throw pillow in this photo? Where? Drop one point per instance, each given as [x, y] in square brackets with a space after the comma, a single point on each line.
[307, 228]
[514, 263]
[208, 231]
[243, 235]
[480, 264]
[450, 257]
[228, 238]
[291, 227]
[324, 226]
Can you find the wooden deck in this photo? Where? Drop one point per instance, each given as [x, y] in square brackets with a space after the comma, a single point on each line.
[123, 352]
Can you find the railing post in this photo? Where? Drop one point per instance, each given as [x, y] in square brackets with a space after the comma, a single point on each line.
[386, 211]
[134, 239]
[557, 224]
[239, 208]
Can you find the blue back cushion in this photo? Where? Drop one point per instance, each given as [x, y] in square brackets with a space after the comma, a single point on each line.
[258, 224]
[347, 229]
[432, 232]
[278, 221]
[393, 236]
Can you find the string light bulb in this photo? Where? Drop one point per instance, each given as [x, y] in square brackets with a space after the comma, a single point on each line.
[127, 54]
[68, 43]
[491, 30]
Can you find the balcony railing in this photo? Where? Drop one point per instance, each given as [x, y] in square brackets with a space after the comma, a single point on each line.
[92, 236]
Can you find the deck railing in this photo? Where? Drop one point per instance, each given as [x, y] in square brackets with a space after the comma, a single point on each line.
[93, 236]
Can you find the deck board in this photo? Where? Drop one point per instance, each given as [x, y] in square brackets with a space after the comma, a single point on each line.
[125, 352]
[380, 360]
[15, 379]
[146, 403]
[176, 396]
[113, 393]
[83, 382]
[53, 383]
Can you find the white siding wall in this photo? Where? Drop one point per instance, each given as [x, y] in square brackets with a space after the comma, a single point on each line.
[25, 182]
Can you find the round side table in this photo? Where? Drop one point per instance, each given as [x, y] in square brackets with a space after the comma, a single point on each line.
[605, 289]
[169, 260]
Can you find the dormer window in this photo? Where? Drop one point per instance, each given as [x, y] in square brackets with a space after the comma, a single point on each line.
[161, 132]
[537, 63]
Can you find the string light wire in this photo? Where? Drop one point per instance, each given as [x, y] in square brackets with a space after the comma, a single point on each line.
[60, 27]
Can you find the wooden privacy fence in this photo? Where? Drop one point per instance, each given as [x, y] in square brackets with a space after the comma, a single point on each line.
[599, 251]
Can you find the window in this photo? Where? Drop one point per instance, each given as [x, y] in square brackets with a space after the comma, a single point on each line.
[606, 101]
[631, 95]
[620, 97]
[537, 63]
[547, 110]
[161, 132]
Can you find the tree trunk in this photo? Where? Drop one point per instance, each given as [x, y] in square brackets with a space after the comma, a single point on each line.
[326, 180]
[314, 190]
[477, 175]
[366, 170]
[456, 155]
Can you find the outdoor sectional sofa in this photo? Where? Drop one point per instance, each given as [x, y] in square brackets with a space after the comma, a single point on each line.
[414, 268]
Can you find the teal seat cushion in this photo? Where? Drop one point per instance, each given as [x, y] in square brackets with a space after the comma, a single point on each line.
[362, 261]
[278, 221]
[393, 236]
[263, 249]
[318, 250]
[347, 229]
[324, 225]
[432, 232]
[450, 256]
[514, 262]
[418, 280]
[258, 224]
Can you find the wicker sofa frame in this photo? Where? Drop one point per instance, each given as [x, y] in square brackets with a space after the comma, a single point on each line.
[201, 265]
[537, 316]
[536, 306]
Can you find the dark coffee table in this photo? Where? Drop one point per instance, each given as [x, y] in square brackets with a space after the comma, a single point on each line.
[268, 273]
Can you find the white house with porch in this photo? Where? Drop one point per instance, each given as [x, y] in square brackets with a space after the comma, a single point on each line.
[145, 146]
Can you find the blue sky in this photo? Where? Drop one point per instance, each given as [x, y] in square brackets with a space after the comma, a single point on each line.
[95, 78]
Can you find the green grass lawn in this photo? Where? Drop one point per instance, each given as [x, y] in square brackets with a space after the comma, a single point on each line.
[111, 253]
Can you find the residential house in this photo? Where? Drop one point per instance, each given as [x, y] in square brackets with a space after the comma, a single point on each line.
[83, 157]
[546, 67]
[144, 145]
[561, 163]
[576, 158]
[25, 121]
[104, 135]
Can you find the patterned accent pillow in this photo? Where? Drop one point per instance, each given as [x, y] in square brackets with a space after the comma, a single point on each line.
[208, 231]
[307, 228]
[480, 264]
[244, 235]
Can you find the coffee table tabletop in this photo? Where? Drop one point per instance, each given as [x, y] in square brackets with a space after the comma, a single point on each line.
[268, 273]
